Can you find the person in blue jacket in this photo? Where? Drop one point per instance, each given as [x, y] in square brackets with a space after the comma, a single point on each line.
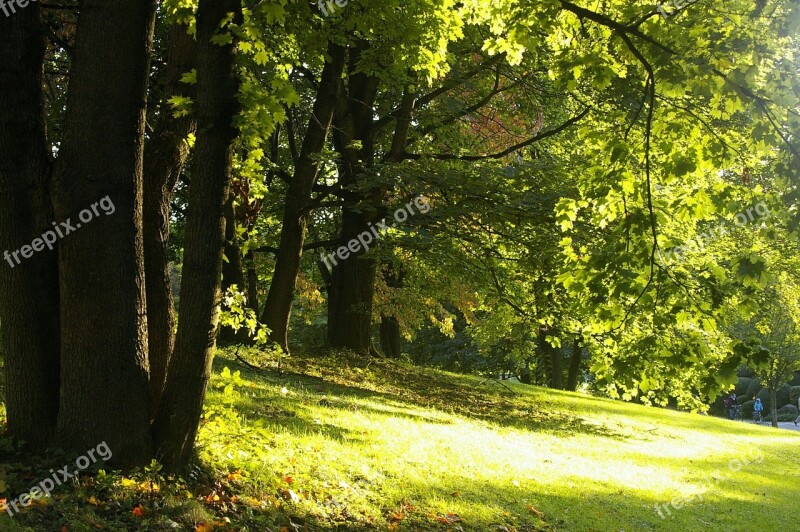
[758, 408]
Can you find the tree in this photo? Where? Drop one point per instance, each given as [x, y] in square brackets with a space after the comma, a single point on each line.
[175, 425]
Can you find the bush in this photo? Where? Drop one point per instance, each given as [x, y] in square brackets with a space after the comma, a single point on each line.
[745, 371]
[753, 388]
[763, 394]
[794, 394]
[783, 395]
[787, 410]
[742, 385]
[747, 408]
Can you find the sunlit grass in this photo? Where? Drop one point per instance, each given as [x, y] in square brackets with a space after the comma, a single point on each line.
[349, 443]
[372, 443]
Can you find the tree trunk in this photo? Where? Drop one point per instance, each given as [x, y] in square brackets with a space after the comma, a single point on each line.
[350, 294]
[525, 373]
[390, 336]
[773, 405]
[232, 269]
[390, 326]
[29, 318]
[178, 418]
[104, 370]
[278, 308]
[165, 155]
[252, 281]
[552, 356]
[574, 365]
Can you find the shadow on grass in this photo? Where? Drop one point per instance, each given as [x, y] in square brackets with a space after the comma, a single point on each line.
[419, 389]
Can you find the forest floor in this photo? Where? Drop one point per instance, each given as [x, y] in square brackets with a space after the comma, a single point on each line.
[345, 443]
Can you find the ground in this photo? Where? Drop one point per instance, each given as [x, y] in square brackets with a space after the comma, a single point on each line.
[341, 442]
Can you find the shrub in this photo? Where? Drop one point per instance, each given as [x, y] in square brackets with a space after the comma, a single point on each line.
[745, 371]
[788, 409]
[782, 396]
[763, 394]
[753, 388]
[742, 385]
[794, 394]
[747, 408]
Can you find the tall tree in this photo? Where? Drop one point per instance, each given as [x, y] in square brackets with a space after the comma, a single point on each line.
[178, 417]
[295, 211]
[165, 154]
[29, 317]
[105, 338]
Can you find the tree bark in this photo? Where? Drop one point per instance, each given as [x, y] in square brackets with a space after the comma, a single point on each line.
[175, 426]
[104, 370]
[390, 326]
[773, 405]
[278, 308]
[351, 291]
[29, 314]
[553, 356]
[165, 155]
[390, 336]
[232, 268]
[252, 281]
[574, 365]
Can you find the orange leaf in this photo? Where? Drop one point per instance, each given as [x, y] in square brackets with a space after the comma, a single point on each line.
[288, 479]
[204, 527]
[533, 510]
[138, 512]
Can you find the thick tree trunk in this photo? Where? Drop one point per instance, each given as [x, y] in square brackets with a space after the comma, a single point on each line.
[178, 418]
[350, 296]
[390, 336]
[574, 365]
[165, 154]
[29, 328]
[104, 370]
[278, 308]
[351, 291]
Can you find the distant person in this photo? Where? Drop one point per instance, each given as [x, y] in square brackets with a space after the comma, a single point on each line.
[758, 407]
[730, 402]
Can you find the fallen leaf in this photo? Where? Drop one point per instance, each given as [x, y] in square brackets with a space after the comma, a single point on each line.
[138, 512]
[533, 510]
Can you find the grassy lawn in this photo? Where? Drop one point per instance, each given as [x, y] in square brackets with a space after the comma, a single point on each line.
[370, 444]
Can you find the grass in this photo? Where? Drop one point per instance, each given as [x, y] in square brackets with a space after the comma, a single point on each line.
[365, 444]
